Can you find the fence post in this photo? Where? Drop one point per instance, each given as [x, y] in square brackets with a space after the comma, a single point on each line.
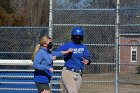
[50, 19]
[117, 46]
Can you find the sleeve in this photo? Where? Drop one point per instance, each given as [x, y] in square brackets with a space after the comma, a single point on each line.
[86, 55]
[57, 53]
[37, 63]
[48, 73]
[62, 48]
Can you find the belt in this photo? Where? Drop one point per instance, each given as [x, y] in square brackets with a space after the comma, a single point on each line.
[73, 70]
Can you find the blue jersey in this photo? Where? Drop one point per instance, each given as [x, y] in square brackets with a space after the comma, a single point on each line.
[74, 60]
[42, 63]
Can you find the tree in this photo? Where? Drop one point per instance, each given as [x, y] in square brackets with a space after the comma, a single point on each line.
[8, 16]
[35, 12]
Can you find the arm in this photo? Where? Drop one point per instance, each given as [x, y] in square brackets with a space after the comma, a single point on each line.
[86, 57]
[61, 53]
[37, 63]
[66, 52]
[86, 62]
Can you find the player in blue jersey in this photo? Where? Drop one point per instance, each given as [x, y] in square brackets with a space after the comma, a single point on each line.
[75, 61]
[43, 63]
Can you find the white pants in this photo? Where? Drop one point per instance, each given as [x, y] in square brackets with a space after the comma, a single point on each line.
[71, 80]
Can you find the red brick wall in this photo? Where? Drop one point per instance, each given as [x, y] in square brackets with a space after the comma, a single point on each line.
[125, 54]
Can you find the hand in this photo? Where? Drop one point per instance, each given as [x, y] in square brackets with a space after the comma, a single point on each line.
[51, 69]
[53, 58]
[85, 61]
[70, 50]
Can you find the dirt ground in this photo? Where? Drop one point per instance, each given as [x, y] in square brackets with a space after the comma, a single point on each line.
[104, 83]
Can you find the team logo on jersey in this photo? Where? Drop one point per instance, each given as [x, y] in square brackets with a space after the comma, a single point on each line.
[78, 50]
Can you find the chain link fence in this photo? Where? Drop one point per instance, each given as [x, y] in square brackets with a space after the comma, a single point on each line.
[112, 35]
[99, 24]
[129, 40]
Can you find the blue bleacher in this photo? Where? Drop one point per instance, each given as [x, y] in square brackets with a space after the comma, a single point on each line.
[17, 82]
[19, 78]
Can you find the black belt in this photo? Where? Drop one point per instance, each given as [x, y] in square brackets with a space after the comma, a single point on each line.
[73, 70]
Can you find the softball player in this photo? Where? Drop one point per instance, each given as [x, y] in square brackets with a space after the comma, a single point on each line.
[42, 63]
[75, 61]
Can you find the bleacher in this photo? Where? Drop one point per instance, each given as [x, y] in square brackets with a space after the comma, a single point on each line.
[16, 76]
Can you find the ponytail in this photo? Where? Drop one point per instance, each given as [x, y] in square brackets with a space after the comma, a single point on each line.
[35, 50]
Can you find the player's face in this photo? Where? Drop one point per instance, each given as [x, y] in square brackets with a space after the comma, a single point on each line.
[77, 39]
[48, 43]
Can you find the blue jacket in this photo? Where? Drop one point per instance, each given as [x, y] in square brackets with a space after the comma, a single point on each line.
[74, 59]
[42, 63]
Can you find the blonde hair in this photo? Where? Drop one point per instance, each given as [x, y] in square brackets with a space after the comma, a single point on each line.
[43, 40]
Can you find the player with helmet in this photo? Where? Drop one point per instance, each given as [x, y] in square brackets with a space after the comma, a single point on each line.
[75, 61]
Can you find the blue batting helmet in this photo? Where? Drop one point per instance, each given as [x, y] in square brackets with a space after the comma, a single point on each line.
[77, 31]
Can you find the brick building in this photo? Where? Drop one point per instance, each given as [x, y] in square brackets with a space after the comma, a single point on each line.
[129, 52]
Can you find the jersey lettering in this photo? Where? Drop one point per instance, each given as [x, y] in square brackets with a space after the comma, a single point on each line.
[78, 50]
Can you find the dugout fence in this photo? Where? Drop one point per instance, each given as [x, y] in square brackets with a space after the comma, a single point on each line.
[112, 36]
